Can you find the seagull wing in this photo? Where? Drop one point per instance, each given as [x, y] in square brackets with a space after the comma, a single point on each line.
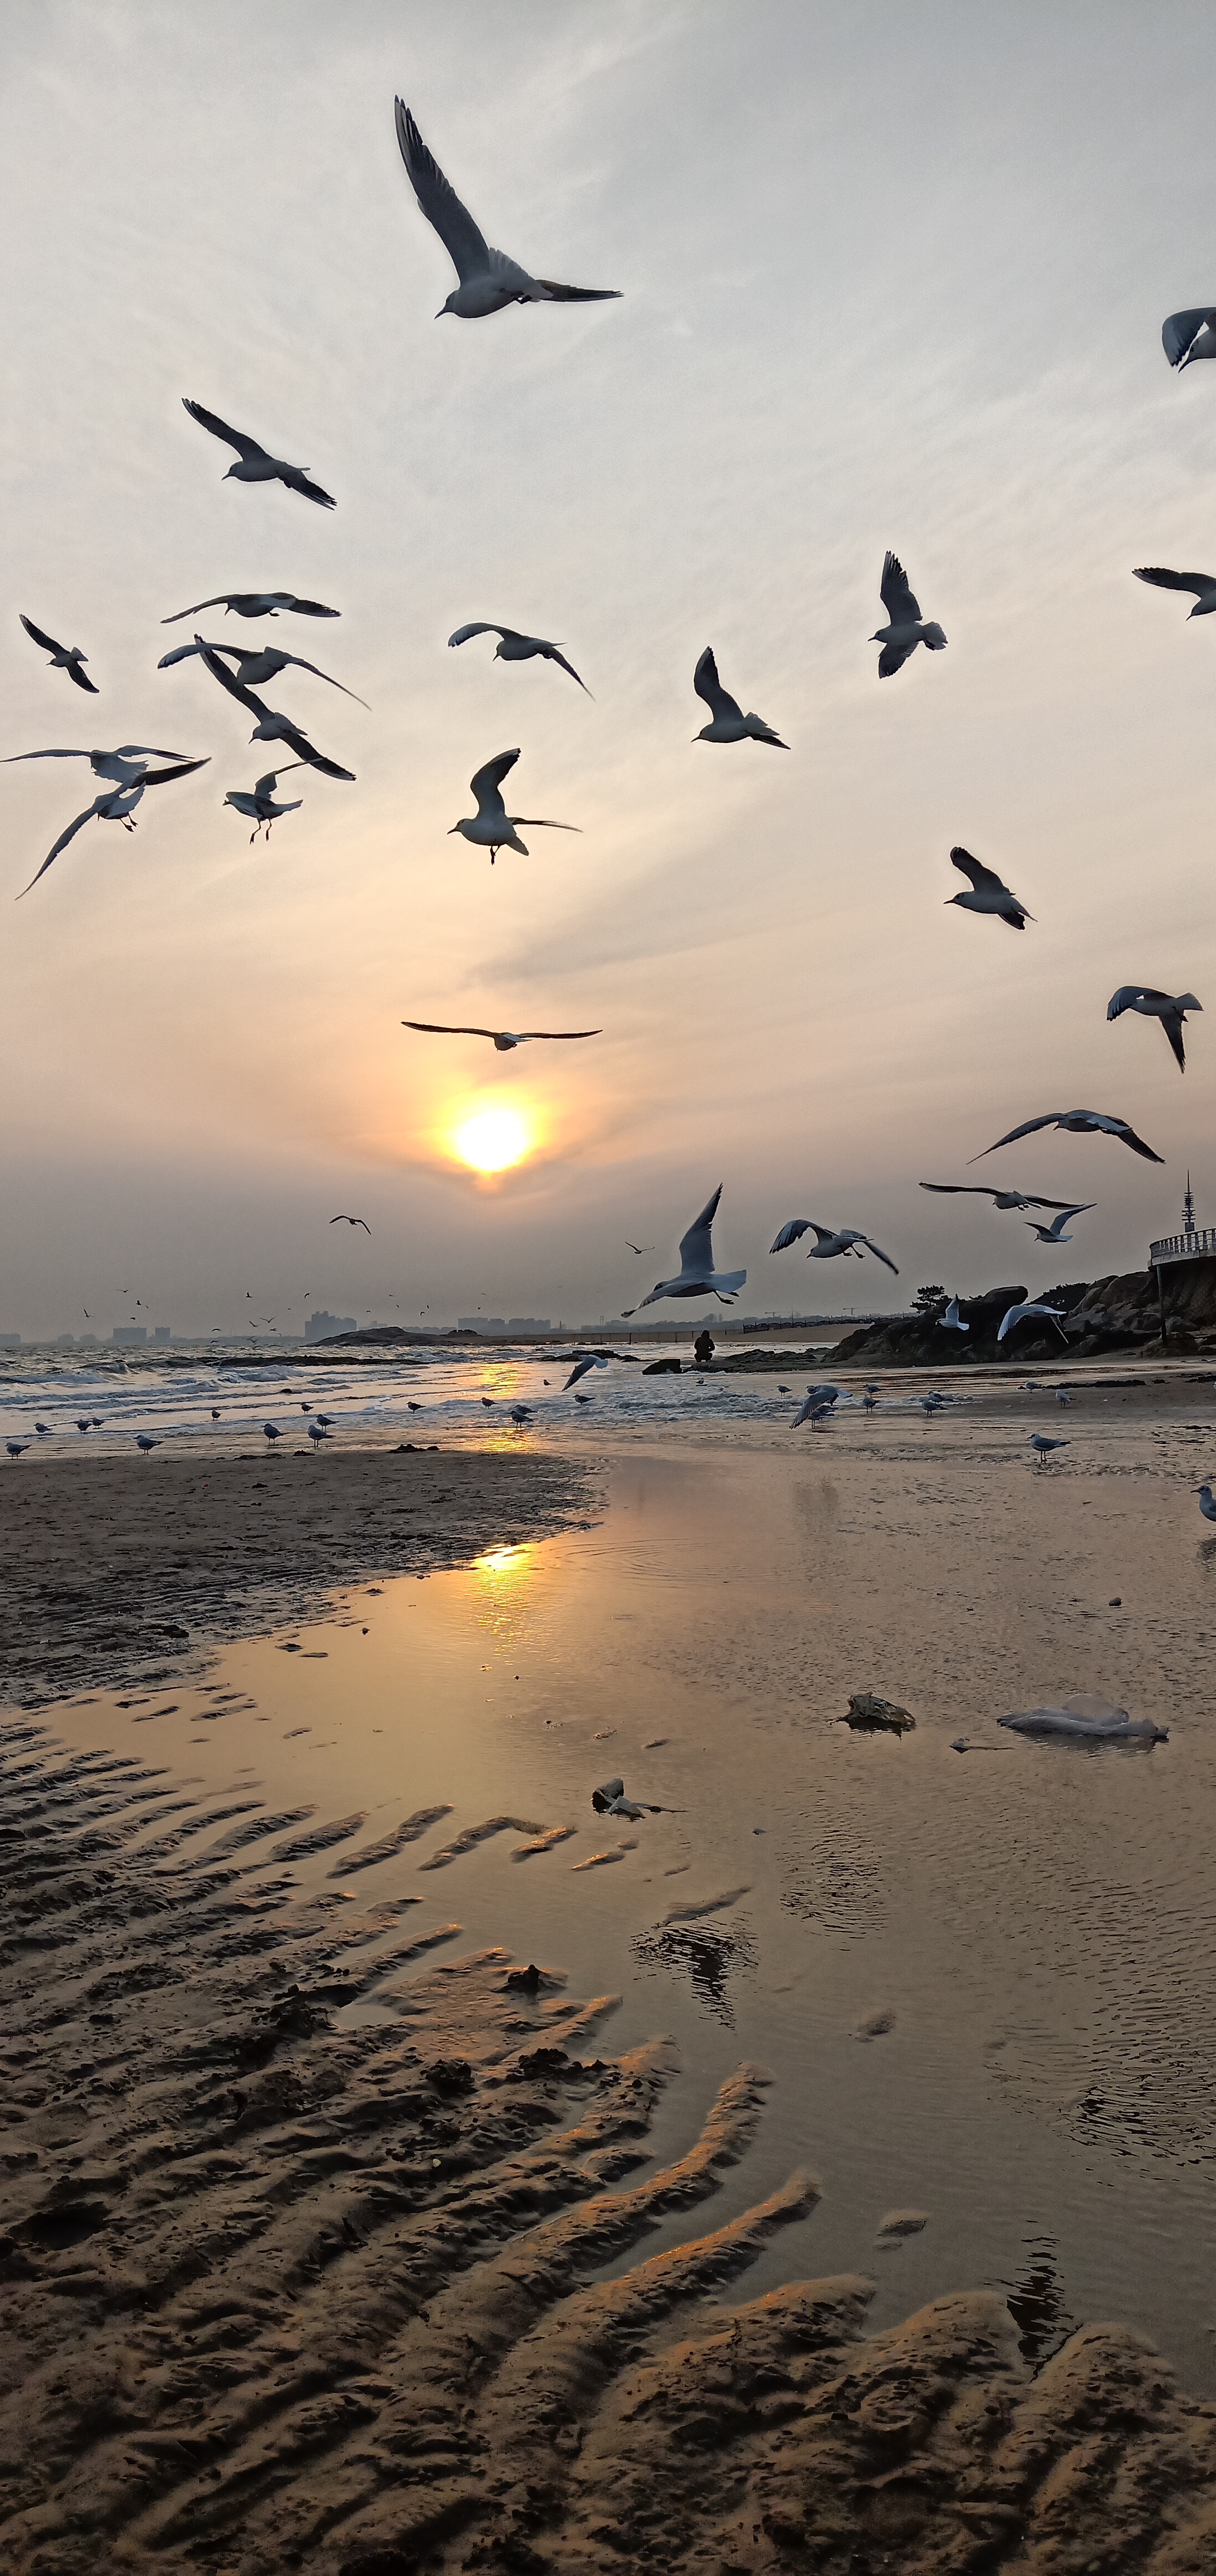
[979, 875]
[298, 665]
[266, 786]
[305, 754]
[302, 607]
[480, 626]
[186, 652]
[147, 751]
[47, 641]
[1199, 582]
[798, 1225]
[543, 823]
[1178, 331]
[561, 1033]
[902, 608]
[222, 600]
[579, 1370]
[486, 782]
[551, 654]
[976, 1190]
[228, 680]
[45, 755]
[1082, 1207]
[465, 243]
[892, 658]
[696, 1248]
[82, 681]
[579, 294]
[444, 1029]
[180, 769]
[247, 448]
[1030, 1128]
[709, 687]
[1172, 1023]
[879, 1256]
[1129, 997]
[62, 842]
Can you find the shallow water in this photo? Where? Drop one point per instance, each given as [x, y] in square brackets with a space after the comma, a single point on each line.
[1029, 1930]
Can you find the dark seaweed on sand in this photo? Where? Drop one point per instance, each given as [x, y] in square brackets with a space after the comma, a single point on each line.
[707, 1954]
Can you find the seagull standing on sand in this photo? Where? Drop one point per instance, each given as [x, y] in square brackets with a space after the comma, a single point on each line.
[145, 1441]
[1206, 1504]
[258, 806]
[1189, 335]
[1169, 1008]
[697, 1275]
[1017, 1314]
[64, 657]
[1077, 1122]
[272, 1432]
[269, 727]
[521, 1413]
[1001, 1198]
[317, 1433]
[905, 627]
[254, 463]
[16, 1448]
[488, 279]
[491, 827]
[515, 647]
[1203, 584]
[1043, 1447]
[728, 722]
[253, 670]
[504, 1039]
[830, 1243]
[254, 603]
[988, 893]
[1054, 1233]
[951, 1321]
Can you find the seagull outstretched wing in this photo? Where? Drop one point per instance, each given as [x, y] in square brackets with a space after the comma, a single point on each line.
[486, 782]
[1078, 1122]
[1179, 329]
[254, 603]
[696, 1247]
[64, 838]
[797, 1226]
[709, 687]
[247, 448]
[879, 1256]
[979, 875]
[482, 626]
[902, 607]
[290, 734]
[35, 632]
[1199, 582]
[462, 239]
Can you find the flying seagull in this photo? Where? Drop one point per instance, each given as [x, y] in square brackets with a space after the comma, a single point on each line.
[905, 627]
[1001, 1198]
[253, 603]
[254, 669]
[518, 648]
[491, 827]
[1017, 1315]
[830, 1242]
[488, 279]
[1054, 1233]
[116, 805]
[504, 1039]
[586, 1360]
[1202, 583]
[1169, 1008]
[696, 1276]
[255, 464]
[1077, 1122]
[729, 724]
[638, 1247]
[951, 1321]
[126, 767]
[64, 657]
[1185, 336]
[350, 1220]
[988, 892]
[812, 1411]
[269, 727]
[259, 807]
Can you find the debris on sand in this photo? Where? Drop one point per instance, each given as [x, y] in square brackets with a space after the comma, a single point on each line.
[1086, 1719]
[873, 1716]
[902, 2222]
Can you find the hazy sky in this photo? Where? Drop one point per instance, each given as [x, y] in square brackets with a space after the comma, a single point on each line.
[891, 276]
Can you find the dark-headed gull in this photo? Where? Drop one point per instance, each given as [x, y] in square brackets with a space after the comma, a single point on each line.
[1054, 1233]
[905, 627]
[488, 279]
[64, 657]
[116, 805]
[830, 1242]
[255, 464]
[1043, 1447]
[504, 1039]
[269, 727]
[491, 827]
[1077, 1122]
[1189, 335]
[951, 1321]
[1169, 1008]
[728, 722]
[1202, 583]
[1017, 1315]
[254, 603]
[259, 806]
[988, 893]
[999, 1198]
[697, 1275]
[514, 647]
[254, 669]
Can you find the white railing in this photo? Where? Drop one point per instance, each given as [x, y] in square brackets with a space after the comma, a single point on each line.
[1184, 1247]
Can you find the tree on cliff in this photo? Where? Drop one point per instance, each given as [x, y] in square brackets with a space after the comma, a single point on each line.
[927, 1299]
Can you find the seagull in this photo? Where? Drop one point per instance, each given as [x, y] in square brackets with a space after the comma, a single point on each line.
[350, 1220]
[316, 1434]
[258, 805]
[254, 669]
[829, 1243]
[931, 1403]
[1001, 1198]
[1017, 1314]
[16, 1448]
[988, 892]
[869, 1403]
[491, 827]
[1169, 1008]
[64, 657]
[255, 464]
[515, 647]
[327, 1420]
[812, 1411]
[254, 603]
[272, 1432]
[587, 1399]
[487, 1400]
[951, 1321]
[905, 627]
[1185, 336]
[83, 1424]
[414, 1405]
[488, 279]
[1043, 1447]
[521, 1413]
[697, 1274]
[215, 1413]
[1202, 583]
[1206, 1504]
[126, 767]
[1078, 1122]
[504, 1039]
[269, 727]
[638, 1247]
[42, 1426]
[586, 1360]
[729, 722]
[1062, 1395]
[144, 1441]
[117, 804]
[1054, 1233]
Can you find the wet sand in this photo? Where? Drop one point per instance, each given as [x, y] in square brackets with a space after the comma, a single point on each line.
[325, 2247]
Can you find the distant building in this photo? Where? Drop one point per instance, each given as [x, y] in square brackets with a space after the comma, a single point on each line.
[65, 1342]
[129, 1335]
[86, 1341]
[162, 1333]
[318, 1327]
[10, 1341]
[511, 1324]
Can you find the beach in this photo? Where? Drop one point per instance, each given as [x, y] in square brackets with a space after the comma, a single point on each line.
[832, 2184]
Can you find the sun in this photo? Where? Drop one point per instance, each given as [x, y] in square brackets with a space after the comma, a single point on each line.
[492, 1140]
